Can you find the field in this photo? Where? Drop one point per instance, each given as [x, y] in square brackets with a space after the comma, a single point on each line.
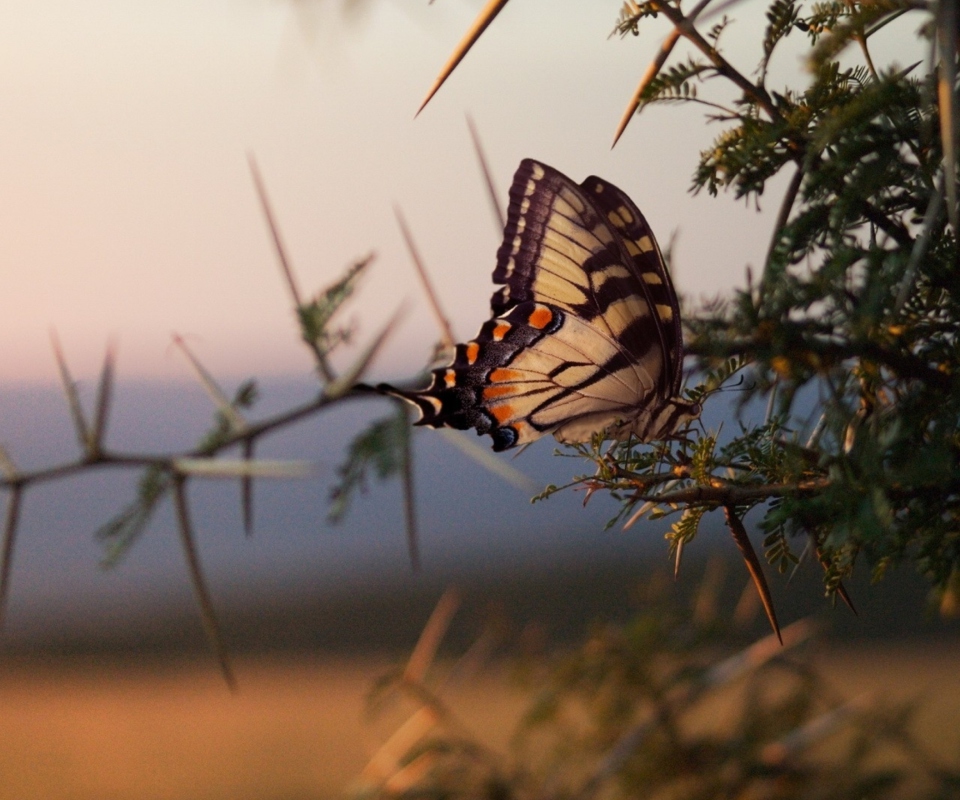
[113, 730]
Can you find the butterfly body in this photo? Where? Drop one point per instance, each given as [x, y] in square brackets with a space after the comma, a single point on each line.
[585, 334]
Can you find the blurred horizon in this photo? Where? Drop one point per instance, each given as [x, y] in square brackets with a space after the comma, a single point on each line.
[300, 580]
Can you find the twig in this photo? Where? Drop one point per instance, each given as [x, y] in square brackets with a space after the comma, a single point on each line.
[723, 67]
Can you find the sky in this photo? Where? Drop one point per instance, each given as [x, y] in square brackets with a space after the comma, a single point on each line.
[129, 213]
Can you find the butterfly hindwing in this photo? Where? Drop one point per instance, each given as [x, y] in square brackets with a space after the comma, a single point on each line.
[649, 267]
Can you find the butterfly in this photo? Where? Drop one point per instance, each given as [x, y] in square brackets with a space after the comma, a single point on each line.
[585, 330]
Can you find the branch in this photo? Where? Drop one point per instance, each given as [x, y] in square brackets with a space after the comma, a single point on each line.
[686, 27]
[735, 494]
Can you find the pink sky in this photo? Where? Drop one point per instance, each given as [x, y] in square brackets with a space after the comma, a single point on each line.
[128, 211]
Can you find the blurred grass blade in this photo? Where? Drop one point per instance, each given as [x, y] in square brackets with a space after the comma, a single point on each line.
[652, 71]
[753, 567]
[487, 177]
[104, 396]
[757, 654]
[813, 732]
[446, 332]
[432, 634]
[246, 490]
[73, 398]
[9, 543]
[410, 775]
[486, 459]
[210, 386]
[386, 761]
[486, 16]
[345, 382]
[720, 674]
[207, 613]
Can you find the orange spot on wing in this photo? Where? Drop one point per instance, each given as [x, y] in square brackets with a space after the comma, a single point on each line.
[450, 378]
[492, 392]
[540, 317]
[473, 350]
[505, 375]
[500, 331]
[502, 412]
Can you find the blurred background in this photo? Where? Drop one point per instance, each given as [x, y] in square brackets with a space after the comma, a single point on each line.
[129, 214]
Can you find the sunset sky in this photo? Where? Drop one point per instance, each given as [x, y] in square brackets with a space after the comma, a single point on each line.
[128, 209]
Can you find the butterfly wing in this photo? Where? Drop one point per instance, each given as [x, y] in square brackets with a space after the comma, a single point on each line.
[650, 269]
[575, 344]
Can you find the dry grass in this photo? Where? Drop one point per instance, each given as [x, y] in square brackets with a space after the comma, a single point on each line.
[296, 729]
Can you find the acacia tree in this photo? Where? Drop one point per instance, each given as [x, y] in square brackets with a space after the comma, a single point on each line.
[850, 332]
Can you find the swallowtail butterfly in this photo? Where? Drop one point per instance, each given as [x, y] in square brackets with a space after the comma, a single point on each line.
[585, 334]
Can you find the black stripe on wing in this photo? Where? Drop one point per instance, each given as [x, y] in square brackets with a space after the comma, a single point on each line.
[455, 396]
[647, 260]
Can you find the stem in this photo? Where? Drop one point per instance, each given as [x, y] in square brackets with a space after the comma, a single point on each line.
[686, 27]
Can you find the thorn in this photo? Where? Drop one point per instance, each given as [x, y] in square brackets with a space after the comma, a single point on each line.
[73, 398]
[677, 559]
[652, 71]
[246, 490]
[346, 381]
[9, 541]
[753, 567]
[274, 231]
[409, 497]
[841, 589]
[211, 387]
[487, 176]
[207, 613]
[446, 332]
[486, 16]
[104, 396]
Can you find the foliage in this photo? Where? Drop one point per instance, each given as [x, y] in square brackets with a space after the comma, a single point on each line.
[851, 334]
[668, 705]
